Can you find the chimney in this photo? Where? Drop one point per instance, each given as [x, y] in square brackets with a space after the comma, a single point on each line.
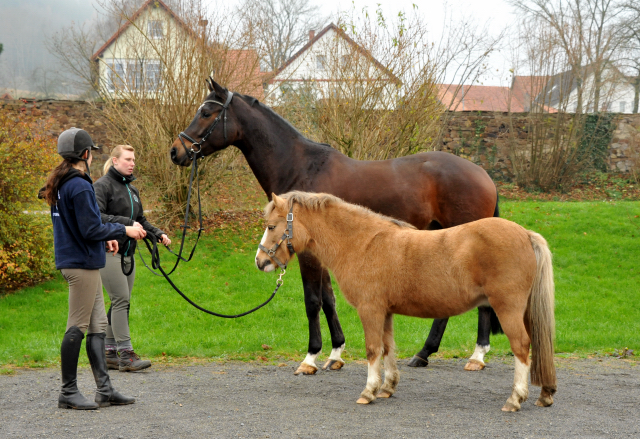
[312, 35]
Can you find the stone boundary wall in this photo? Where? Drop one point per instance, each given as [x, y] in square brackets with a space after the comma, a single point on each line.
[480, 137]
[484, 139]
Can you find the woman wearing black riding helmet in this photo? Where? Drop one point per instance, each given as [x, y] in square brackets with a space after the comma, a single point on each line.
[79, 243]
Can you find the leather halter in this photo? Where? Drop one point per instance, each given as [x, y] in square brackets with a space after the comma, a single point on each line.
[192, 153]
[288, 234]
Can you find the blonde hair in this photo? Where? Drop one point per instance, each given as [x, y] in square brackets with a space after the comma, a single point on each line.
[115, 152]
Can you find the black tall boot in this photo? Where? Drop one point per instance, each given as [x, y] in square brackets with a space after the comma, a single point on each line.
[70, 397]
[106, 394]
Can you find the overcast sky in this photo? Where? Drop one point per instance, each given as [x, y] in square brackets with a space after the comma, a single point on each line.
[25, 24]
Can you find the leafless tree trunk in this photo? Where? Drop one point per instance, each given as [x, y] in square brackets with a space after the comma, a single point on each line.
[587, 31]
[279, 27]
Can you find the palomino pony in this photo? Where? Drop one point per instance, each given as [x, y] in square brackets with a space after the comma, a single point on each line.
[386, 267]
[431, 190]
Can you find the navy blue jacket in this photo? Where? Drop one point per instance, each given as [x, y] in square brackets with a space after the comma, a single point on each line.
[78, 233]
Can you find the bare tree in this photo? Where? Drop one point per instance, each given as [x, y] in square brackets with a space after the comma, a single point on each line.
[629, 60]
[279, 27]
[586, 30]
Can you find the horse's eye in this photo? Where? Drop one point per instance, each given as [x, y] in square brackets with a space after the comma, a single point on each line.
[271, 227]
[205, 114]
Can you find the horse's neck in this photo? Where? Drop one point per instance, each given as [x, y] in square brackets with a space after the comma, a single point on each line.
[336, 236]
[276, 152]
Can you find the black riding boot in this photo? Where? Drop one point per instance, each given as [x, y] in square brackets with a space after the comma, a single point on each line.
[106, 394]
[70, 397]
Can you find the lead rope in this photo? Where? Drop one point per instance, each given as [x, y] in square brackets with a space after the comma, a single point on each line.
[152, 245]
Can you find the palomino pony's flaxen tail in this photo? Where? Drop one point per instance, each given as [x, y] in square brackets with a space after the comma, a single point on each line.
[541, 317]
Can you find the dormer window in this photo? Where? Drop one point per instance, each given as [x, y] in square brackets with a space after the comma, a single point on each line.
[154, 29]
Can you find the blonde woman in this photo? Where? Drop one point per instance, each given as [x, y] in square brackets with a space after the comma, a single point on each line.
[119, 202]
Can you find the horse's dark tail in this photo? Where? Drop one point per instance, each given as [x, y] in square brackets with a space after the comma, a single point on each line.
[496, 328]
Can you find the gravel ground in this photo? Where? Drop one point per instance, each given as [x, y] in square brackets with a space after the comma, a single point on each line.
[596, 398]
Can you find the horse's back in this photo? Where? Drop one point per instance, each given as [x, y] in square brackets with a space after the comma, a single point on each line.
[423, 189]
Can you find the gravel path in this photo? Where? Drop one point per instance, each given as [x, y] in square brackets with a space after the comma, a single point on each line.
[596, 398]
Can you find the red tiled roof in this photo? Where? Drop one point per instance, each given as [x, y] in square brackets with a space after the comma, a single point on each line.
[524, 90]
[474, 97]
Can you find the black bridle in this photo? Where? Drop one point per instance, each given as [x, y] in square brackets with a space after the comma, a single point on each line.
[192, 153]
[151, 241]
[288, 235]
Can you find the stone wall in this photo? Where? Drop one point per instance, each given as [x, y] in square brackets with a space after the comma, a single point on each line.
[483, 138]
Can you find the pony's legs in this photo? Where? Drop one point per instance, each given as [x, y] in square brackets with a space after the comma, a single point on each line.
[391, 374]
[431, 345]
[514, 328]
[315, 288]
[373, 325]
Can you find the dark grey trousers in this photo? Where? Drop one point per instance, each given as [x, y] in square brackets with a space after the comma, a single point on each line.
[119, 289]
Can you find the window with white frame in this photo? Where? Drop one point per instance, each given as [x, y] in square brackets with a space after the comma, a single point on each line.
[623, 106]
[321, 62]
[154, 29]
[133, 75]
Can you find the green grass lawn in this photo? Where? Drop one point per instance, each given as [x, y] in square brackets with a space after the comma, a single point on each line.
[596, 254]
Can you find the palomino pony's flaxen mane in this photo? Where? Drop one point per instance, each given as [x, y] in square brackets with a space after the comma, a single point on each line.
[321, 201]
[385, 268]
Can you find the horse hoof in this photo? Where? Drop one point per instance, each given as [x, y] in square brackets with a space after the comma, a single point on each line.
[333, 365]
[544, 402]
[508, 407]
[418, 362]
[363, 401]
[384, 394]
[306, 369]
[474, 365]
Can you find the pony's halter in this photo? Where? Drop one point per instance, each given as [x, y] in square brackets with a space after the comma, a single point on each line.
[288, 234]
[193, 153]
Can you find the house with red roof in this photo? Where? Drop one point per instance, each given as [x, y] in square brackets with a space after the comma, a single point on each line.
[153, 39]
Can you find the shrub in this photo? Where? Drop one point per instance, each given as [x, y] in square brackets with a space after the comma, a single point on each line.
[27, 155]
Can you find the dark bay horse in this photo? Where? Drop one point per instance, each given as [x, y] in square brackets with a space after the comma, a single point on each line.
[431, 190]
[385, 267]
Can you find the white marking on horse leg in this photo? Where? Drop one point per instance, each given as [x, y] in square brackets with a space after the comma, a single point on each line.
[310, 359]
[335, 362]
[308, 365]
[476, 361]
[374, 381]
[391, 375]
[336, 353]
[480, 352]
[520, 386]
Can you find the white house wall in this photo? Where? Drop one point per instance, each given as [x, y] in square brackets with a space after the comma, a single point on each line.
[305, 71]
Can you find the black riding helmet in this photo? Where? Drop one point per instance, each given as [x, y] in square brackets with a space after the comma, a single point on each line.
[73, 142]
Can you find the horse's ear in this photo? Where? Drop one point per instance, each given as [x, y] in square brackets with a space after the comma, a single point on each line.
[279, 203]
[210, 83]
[220, 90]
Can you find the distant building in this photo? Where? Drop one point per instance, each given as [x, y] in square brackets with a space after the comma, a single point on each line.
[129, 61]
[331, 64]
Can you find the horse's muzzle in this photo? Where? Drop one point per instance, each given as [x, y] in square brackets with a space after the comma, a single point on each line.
[265, 265]
[178, 159]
